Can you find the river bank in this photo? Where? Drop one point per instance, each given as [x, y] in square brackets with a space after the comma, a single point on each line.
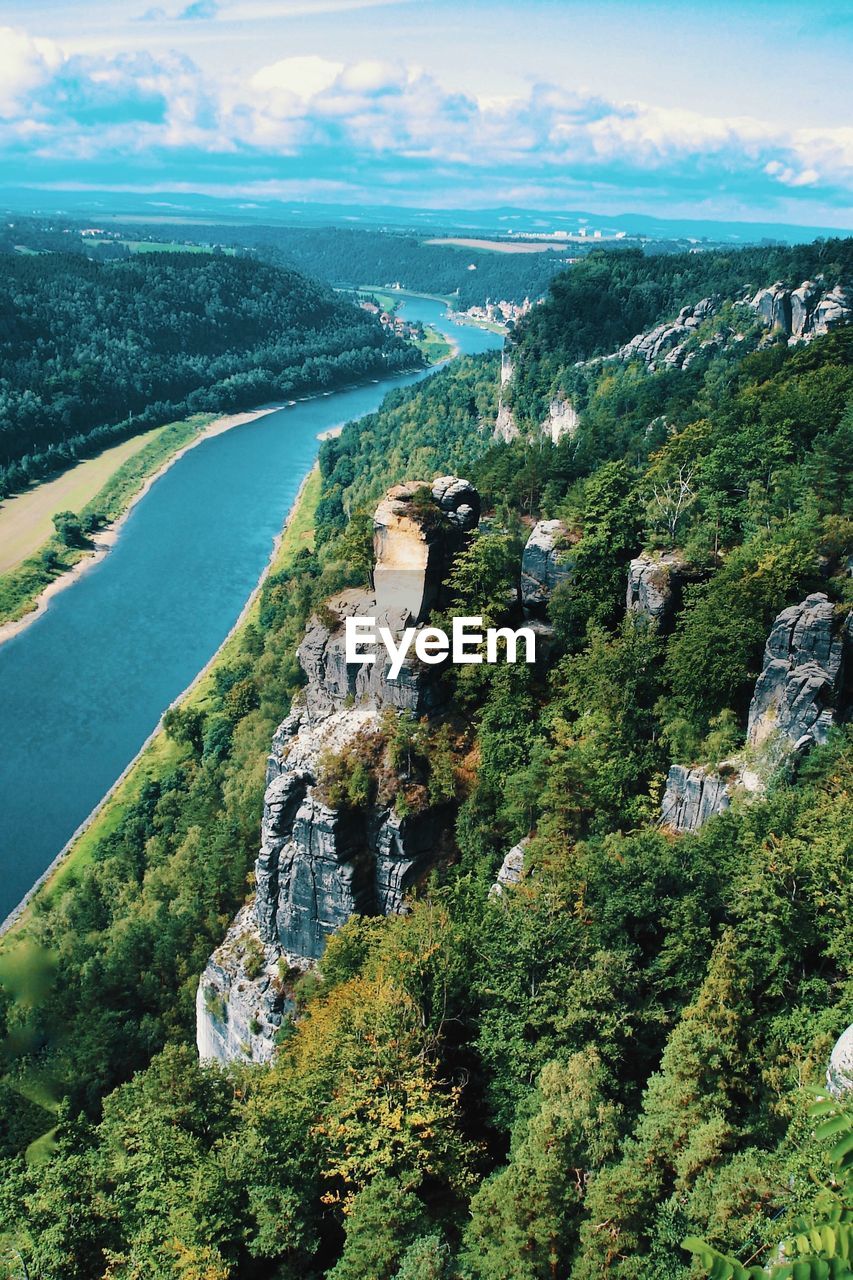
[106, 538]
[81, 691]
[43, 591]
[296, 533]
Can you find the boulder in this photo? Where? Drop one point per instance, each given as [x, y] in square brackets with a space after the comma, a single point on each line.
[797, 696]
[839, 1076]
[656, 585]
[511, 870]
[543, 565]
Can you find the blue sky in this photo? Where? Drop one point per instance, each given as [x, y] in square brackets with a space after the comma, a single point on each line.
[728, 110]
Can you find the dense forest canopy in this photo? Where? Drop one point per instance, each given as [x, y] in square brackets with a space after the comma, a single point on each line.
[91, 352]
[569, 1079]
[339, 255]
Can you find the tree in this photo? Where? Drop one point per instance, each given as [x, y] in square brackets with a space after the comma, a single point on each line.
[69, 529]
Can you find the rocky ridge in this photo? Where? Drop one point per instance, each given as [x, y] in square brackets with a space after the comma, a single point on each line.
[806, 312]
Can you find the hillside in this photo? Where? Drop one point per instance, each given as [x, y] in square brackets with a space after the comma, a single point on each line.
[93, 352]
[628, 940]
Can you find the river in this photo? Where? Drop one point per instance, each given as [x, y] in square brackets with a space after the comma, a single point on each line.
[84, 685]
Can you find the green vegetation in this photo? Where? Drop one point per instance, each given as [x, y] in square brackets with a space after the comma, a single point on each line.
[20, 589]
[94, 352]
[572, 1078]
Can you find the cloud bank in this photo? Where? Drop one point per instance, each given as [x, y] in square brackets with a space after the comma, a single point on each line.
[388, 132]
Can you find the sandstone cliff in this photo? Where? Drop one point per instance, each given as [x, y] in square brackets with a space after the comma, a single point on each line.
[803, 689]
[326, 854]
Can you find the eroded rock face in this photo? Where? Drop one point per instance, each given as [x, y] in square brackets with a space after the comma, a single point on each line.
[562, 419]
[506, 427]
[416, 529]
[656, 585]
[511, 870]
[321, 860]
[242, 997]
[692, 796]
[544, 564]
[798, 694]
[666, 344]
[805, 312]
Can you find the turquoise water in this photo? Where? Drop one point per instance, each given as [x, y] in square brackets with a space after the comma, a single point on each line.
[84, 685]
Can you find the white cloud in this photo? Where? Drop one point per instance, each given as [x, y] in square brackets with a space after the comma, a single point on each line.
[374, 111]
[25, 64]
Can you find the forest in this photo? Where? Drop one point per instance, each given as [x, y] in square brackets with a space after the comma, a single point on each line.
[339, 255]
[92, 352]
[569, 1080]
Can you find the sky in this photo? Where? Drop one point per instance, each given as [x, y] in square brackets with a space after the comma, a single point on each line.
[729, 110]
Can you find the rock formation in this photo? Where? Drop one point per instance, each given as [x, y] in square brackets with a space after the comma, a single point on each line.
[655, 586]
[839, 1076]
[323, 859]
[798, 693]
[806, 312]
[562, 419]
[511, 870]
[798, 696]
[666, 344]
[412, 543]
[506, 427]
[544, 564]
[692, 796]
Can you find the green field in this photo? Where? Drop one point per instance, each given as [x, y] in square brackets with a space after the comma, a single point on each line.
[26, 520]
[172, 246]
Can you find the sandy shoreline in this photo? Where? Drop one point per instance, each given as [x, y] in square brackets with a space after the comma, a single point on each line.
[17, 912]
[107, 538]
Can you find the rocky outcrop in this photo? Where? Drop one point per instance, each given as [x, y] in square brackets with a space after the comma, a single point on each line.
[323, 857]
[806, 312]
[773, 306]
[417, 528]
[800, 690]
[666, 344]
[562, 420]
[692, 796]
[656, 586]
[242, 997]
[506, 427]
[511, 870]
[798, 696]
[544, 564]
[839, 1076]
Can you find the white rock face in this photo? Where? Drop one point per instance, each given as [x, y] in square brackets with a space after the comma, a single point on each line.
[839, 1076]
[806, 312]
[542, 564]
[562, 420]
[241, 998]
[511, 870]
[797, 694]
